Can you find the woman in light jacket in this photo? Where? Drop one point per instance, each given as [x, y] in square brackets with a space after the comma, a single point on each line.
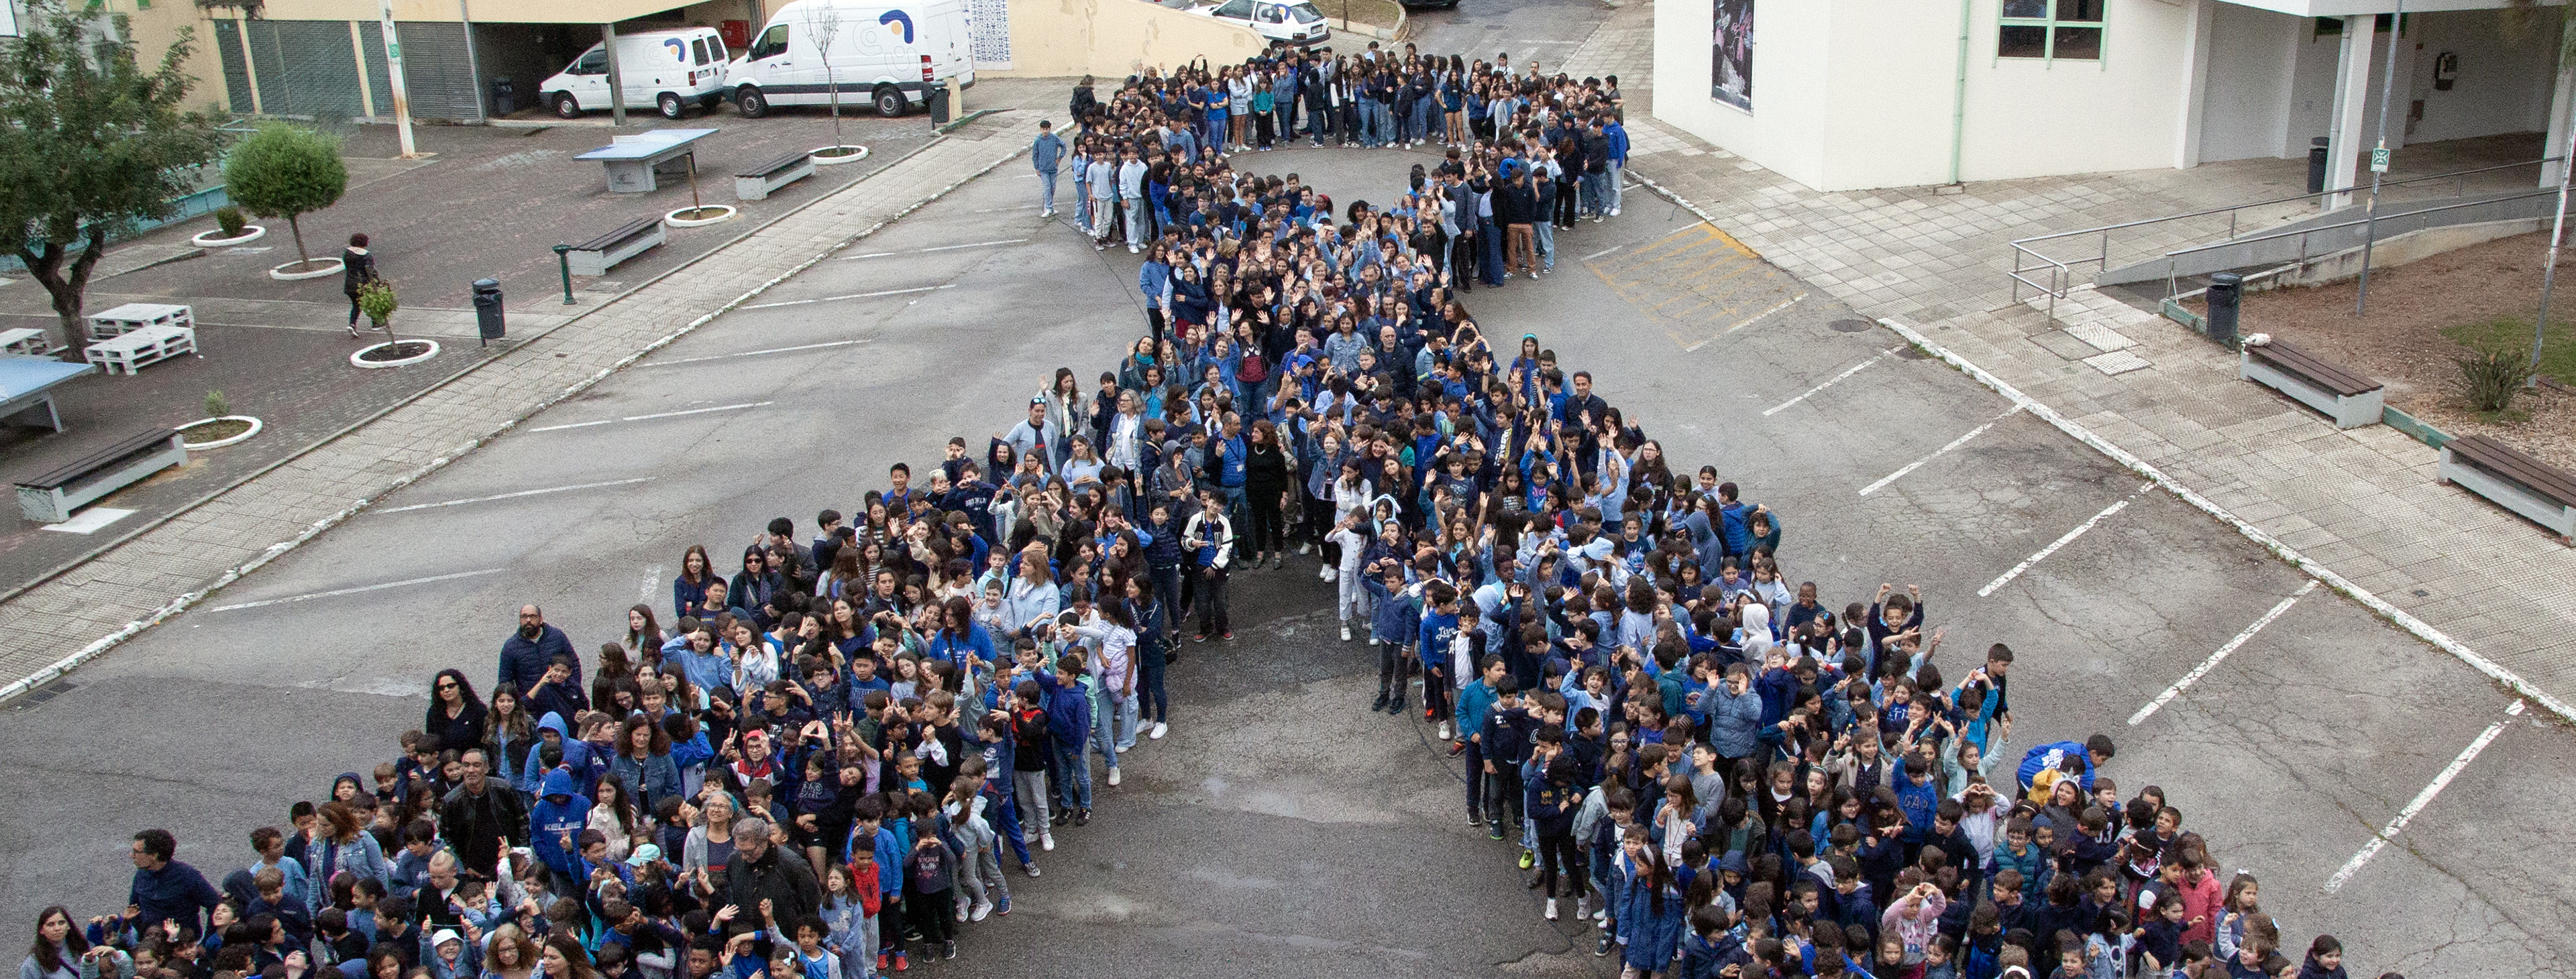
[59, 947]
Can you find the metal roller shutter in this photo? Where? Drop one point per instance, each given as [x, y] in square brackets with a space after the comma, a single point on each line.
[437, 73]
[306, 68]
[236, 74]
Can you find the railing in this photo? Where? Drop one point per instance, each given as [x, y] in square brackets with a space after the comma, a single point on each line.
[2056, 275]
[2174, 258]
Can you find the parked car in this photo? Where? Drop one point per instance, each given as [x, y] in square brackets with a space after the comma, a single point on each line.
[885, 55]
[664, 69]
[1277, 21]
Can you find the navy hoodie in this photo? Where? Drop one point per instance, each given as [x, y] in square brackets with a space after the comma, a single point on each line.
[562, 813]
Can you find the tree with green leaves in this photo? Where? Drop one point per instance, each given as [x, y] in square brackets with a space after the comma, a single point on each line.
[91, 141]
[286, 171]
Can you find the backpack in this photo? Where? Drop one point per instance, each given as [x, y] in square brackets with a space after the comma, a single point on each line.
[1253, 370]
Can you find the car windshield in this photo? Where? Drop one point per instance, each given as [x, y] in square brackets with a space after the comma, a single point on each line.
[1305, 13]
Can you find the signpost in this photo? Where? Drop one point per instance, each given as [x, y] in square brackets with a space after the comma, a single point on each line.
[394, 79]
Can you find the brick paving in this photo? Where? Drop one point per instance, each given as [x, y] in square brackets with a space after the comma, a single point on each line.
[126, 589]
[2358, 508]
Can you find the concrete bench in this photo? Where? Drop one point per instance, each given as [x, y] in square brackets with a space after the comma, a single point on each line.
[598, 255]
[2350, 399]
[2514, 480]
[759, 182]
[52, 497]
[129, 352]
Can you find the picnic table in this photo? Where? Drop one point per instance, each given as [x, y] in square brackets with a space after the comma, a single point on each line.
[27, 385]
[633, 160]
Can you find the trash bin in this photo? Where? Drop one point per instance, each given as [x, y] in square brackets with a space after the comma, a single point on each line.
[2316, 164]
[487, 309]
[939, 106]
[504, 97]
[2225, 289]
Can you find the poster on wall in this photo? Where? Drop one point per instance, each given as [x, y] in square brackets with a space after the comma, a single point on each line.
[989, 34]
[1731, 54]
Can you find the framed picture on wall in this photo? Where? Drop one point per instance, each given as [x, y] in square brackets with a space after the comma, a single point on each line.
[1731, 54]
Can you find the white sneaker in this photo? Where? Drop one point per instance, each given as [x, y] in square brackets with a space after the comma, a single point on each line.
[964, 907]
[1551, 909]
[1046, 841]
[1444, 730]
[1346, 632]
[1113, 774]
[1048, 213]
[983, 909]
[1332, 574]
[1306, 548]
[1132, 249]
[1159, 730]
[1372, 639]
[1614, 212]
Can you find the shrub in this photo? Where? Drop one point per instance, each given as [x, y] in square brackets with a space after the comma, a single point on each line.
[230, 219]
[217, 406]
[283, 171]
[376, 299]
[2492, 375]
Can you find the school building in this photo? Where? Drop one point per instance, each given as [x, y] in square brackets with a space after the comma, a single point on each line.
[1854, 94]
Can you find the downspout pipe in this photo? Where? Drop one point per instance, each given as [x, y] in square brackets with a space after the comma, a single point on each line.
[1959, 96]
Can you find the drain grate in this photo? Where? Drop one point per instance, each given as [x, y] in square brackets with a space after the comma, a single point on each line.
[1849, 326]
[51, 691]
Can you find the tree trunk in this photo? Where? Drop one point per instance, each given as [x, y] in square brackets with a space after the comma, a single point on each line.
[46, 267]
[300, 257]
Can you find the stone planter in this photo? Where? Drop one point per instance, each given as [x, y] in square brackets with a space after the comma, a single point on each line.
[675, 220]
[217, 424]
[822, 160]
[429, 350]
[215, 238]
[322, 268]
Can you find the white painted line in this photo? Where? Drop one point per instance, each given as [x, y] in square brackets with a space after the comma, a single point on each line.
[2419, 628]
[753, 353]
[333, 593]
[1602, 252]
[2060, 542]
[513, 496]
[2422, 799]
[941, 248]
[663, 414]
[1855, 369]
[2220, 656]
[90, 521]
[1748, 321]
[998, 210]
[855, 295]
[1550, 42]
[652, 576]
[1937, 453]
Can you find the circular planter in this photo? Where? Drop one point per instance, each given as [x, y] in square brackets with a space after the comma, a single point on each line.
[823, 160]
[675, 220]
[253, 233]
[247, 425]
[323, 267]
[421, 350]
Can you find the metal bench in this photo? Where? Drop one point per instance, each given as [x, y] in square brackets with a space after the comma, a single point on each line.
[2350, 399]
[2514, 480]
[598, 255]
[135, 316]
[52, 497]
[130, 352]
[757, 183]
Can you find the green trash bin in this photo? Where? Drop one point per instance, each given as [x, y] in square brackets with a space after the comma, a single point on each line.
[939, 106]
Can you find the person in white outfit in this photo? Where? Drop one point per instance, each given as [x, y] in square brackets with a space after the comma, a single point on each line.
[1353, 540]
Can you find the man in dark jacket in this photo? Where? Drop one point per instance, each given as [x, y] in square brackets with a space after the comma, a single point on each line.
[761, 871]
[1515, 207]
[165, 889]
[479, 815]
[526, 654]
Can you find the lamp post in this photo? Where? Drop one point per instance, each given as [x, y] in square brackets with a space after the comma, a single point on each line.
[2379, 156]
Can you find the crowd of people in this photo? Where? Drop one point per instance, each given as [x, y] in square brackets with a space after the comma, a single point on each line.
[823, 766]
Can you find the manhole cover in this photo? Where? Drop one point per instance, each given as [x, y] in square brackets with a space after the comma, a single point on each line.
[1849, 326]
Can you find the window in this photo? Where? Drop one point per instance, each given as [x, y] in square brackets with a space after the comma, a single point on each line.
[698, 51]
[2051, 29]
[593, 62]
[1305, 13]
[1270, 14]
[771, 43]
[1235, 10]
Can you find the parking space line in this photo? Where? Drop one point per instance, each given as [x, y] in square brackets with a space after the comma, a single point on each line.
[940, 248]
[1602, 252]
[855, 295]
[2422, 799]
[1855, 369]
[661, 414]
[752, 353]
[513, 496]
[336, 592]
[1937, 453]
[2060, 542]
[2220, 656]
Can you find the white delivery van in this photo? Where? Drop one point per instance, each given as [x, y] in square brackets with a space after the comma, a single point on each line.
[1294, 22]
[883, 53]
[665, 69]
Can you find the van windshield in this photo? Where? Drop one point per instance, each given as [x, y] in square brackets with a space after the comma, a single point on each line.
[1305, 13]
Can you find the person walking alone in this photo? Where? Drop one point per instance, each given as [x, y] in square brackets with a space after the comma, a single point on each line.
[1045, 155]
[357, 268]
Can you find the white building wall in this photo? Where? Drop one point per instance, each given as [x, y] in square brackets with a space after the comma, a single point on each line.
[2027, 118]
[2504, 80]
[2252, 71]
[1785, 132]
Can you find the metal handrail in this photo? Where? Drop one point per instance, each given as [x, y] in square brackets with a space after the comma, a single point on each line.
[2173, 258]
[2061, 272]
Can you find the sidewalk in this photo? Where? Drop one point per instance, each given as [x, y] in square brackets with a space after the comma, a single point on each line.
[160, 572]
[2357, 508]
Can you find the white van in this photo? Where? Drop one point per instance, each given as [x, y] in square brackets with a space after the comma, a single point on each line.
[886, 54]
[665, 69]
[1293, 22]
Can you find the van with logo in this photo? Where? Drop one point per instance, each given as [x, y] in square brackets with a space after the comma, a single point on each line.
[668, 70]
[888, 55]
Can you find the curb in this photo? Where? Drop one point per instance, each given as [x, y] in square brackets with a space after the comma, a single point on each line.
[274, 551]
[2419, 628]
[952, 124]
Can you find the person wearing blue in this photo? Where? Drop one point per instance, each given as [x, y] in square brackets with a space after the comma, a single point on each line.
[1046, 154]
[2044, 765]
[554, 829]
[165, 889]
[527, 652]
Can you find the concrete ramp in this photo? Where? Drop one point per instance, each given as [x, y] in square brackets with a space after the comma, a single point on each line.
[2314, 238]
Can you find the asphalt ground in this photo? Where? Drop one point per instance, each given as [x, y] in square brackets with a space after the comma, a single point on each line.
[1282, 829]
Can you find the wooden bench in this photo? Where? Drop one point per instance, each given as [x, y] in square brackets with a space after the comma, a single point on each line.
[758, 182]
[596, 256]
[130, 352]
[52, 497]
[135, 316]
[2350, 399]
[2514, 480]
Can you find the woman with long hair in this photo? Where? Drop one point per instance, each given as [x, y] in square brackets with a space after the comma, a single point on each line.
[643, 632]
[1265, 493]
[509, 954]
[614, 815]
[58, 949]
[643, 763]
[347, 847]
[689, 590]
[562, 957]
[615, 667]
[508, 734]
[455, 720]
[710, 842]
